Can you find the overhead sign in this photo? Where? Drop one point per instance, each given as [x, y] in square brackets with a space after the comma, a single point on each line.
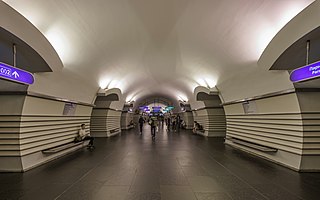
[168, 108]
[306, 73]
[14, 74]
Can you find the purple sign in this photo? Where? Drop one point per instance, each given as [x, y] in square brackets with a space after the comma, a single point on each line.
[143, 107]
[14, 74]
[306, 73]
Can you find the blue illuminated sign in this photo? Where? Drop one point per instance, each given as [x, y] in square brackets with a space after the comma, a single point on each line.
[14, 74]
[306, 73]
[143, 108]
[168, 108]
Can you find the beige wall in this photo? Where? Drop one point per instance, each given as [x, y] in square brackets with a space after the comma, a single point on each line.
[188, 118]
[126, 118]
[288, 123]
[39, 125]
[105, 122]
[213, 121]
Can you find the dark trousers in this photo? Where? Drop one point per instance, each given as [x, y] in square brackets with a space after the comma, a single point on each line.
[153, 131]
[141, 125]
[89, 138]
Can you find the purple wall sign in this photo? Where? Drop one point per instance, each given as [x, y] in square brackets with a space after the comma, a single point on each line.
[306, 73]
[14, 74]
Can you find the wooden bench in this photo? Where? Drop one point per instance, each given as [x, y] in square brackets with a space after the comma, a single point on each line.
[62, 147]
[254, 145]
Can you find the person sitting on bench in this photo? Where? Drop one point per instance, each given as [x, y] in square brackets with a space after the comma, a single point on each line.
[85, 136]
[196, 127]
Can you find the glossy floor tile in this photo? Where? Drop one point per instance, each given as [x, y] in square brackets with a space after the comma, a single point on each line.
[176, 166]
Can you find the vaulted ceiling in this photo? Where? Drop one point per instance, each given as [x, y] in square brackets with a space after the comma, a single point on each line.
[159, 47]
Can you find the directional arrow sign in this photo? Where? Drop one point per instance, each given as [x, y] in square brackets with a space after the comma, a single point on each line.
[306, 73]
[14, 74]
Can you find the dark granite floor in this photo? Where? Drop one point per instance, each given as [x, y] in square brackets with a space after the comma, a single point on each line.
[176, 166]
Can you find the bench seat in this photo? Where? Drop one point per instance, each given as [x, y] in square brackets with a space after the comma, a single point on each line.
[200, 132]
[254, 145]
[62, 147]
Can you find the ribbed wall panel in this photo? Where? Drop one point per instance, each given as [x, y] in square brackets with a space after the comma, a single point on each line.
[272, 130]
[103, 121]
[126, 118]
[282, 122]
[187, 117]
[293, 133]
[9, 135]
[271, 135]
[213, 121]
[278, 126]
[268, 130]
[311, 133]
[37, 123]
[36, 133]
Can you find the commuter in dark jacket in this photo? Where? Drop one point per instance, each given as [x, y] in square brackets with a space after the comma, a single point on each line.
[141, 122]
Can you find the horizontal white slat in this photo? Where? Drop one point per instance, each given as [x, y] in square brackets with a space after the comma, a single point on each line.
[281, 144]
[276, 146]
[274, 126]
[268, 121]
[267, 136]
[266, 116]
[267, 130]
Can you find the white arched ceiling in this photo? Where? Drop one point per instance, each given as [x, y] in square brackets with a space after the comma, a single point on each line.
[301, 25]
[15, 23]
[167, 47]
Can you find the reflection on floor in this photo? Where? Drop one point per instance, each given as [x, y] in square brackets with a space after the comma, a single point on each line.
[177, 166]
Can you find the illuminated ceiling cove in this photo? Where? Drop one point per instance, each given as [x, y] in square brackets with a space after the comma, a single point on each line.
[160, 47]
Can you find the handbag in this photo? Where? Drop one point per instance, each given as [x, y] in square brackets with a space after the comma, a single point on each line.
[78, 138]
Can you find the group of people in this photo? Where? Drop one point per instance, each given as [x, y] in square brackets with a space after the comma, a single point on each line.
[153, 122]
[174, 123]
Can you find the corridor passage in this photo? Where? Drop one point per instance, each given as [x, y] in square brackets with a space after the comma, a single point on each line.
[176, 166]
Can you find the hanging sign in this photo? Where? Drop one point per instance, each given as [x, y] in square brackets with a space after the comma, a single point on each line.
[14, 74]
[306, 73]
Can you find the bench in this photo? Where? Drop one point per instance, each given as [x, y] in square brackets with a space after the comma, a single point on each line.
[200, 131]
[62, 147]
[131, 126]
[114, 130]
[254, 145]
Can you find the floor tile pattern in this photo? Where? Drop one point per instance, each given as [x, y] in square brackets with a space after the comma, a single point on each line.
[176, 166]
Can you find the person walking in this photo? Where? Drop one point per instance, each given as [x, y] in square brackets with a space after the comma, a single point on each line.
[153, 125]
[174, 121]
[178, 121]
[168, 123]
[141, 122]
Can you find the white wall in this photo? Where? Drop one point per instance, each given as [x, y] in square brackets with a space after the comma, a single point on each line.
[276, 122]
[36, 124]
[126, 118]
[188, 118]
[23, 29]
